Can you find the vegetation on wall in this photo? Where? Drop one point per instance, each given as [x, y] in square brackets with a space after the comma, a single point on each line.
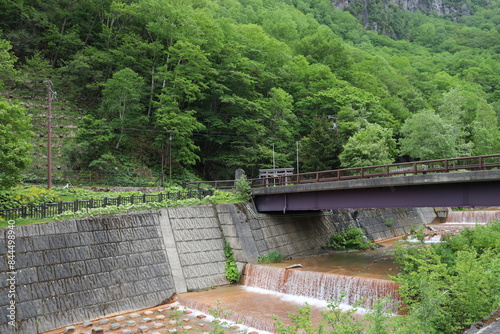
[349, 238]
[271, 257]
[232, 273]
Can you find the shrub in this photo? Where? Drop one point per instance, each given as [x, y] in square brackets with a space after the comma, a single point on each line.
[271, 257]
[243, 189]
[350, 238]
[232, 273]
[22, 196]
[389, 222]
[333, 321]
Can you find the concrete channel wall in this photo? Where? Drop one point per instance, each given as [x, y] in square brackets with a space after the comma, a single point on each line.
[71, 271]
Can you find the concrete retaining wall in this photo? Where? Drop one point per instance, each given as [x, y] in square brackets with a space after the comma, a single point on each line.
[293, 234]
[199, 244]
[72, 271]
[388, 223]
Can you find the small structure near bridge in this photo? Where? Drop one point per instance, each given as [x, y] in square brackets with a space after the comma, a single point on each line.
[273, 176]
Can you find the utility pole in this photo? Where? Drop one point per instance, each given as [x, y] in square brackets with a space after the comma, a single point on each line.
[297, 157]
[162, 165]
[49, 134]
[170, 157]
[274, 164]
[335, 125]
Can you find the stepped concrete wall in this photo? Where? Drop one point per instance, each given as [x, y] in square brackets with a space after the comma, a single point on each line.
[72, 271]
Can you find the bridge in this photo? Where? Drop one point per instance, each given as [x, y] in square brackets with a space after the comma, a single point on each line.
[457, 182]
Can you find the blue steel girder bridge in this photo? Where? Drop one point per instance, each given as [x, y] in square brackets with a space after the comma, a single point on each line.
[457, 182]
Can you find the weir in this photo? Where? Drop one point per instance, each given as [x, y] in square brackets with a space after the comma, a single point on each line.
[350, 290]
[472, 217]
[268, 290]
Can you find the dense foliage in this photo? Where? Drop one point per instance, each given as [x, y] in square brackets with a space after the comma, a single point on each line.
[451, 285]
[349, 238]
[21, 196]
[15, 143]
[226, 84]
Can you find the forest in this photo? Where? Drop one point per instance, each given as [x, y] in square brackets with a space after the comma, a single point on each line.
[226, 84]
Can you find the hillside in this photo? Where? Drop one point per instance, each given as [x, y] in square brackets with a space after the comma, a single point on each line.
[31, 92]
[226, 84]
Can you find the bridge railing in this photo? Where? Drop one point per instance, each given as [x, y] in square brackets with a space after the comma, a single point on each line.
[392, 170]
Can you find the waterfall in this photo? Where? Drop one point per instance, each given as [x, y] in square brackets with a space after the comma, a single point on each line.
[472, 217]
[264, 277]
[318, 285]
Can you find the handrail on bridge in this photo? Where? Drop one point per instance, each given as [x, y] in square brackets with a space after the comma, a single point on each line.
[400, 169]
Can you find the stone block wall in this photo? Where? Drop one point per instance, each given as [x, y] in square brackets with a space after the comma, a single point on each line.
[388, 223]
[291, 233]
[200, 245]
[76, 270]
[235, 224]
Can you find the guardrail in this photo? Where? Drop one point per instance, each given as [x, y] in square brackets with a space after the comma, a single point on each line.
[49, 210]
[393, 170]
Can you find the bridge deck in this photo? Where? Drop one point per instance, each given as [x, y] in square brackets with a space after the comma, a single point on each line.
[467, 189]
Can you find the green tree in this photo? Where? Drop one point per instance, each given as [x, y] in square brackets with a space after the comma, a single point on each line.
[321, 148]
[179, 125]
[281, 126]
[486, 131]
[459, 106]
[371, 146]
[324, 47]
[427, 136]
[121, 101]
[15, 143]
[7, 60]
[92, 145]
[351, 105]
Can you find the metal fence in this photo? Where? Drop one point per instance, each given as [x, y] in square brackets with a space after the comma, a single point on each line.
[49, 210]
